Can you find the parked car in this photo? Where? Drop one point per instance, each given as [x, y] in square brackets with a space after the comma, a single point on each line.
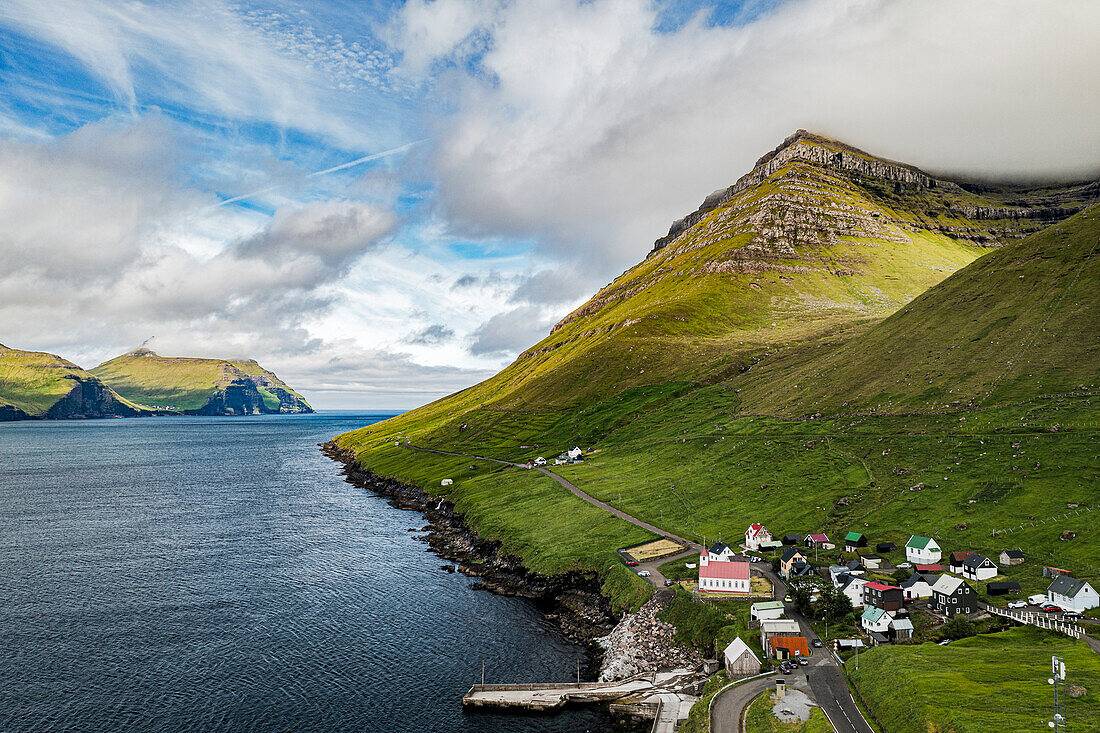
[1051, 608]
[803, 661]
[817, 643]
[945, 642]
[1037, 600]
[669, 582]
[643, 573]
[1017, 604]
[631, 563]
[905, 565]
[787, 598]
[1073, 614]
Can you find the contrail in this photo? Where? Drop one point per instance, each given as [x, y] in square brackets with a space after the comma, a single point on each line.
[342, 166]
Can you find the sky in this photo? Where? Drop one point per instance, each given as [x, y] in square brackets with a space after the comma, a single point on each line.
[385, 202]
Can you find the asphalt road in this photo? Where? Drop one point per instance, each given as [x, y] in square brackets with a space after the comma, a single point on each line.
[824, 674]
[725, 715]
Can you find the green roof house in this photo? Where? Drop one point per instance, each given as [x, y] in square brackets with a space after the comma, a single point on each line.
[922, 550]
[853, 541]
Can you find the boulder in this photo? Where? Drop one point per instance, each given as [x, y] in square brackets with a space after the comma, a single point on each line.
[1075, 690]
[1067, 535]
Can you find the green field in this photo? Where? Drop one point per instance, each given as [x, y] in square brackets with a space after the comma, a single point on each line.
[987, 682]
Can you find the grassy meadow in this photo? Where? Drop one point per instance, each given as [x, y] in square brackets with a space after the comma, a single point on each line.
[987, 682]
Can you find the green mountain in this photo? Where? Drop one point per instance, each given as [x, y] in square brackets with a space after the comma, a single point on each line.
[836, 341]
[1016, 324]
[819, 241]
[199, 386]
[34, 384]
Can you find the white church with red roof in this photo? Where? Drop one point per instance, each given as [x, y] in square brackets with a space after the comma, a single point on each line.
[723, 576]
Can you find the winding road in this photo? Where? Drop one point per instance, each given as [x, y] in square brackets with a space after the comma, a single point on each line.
[824, 674]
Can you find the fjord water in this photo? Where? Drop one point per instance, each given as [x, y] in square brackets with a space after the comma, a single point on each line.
[179, 574]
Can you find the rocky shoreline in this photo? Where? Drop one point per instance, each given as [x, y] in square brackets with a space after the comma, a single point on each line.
[572, 600]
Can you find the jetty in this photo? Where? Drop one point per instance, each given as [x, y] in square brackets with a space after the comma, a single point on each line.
[665, 696]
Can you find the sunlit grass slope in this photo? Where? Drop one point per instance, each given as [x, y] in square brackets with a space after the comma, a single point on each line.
[1019, 322]
[984, 683]
[33, 381]
[185, 383]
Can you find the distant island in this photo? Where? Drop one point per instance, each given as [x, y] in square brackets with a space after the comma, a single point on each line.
[38, 385]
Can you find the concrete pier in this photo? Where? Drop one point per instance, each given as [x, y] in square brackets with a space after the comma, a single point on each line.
[665, 693]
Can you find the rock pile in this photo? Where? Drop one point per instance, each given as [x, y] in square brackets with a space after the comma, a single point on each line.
[641, 642]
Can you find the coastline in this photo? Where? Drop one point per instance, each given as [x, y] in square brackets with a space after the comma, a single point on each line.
[572, 600]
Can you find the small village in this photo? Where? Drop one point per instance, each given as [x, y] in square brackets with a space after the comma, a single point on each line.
[789, 613]
[887, 595]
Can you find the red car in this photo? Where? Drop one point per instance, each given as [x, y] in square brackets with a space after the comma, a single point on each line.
[1051, 608]
[631, 563]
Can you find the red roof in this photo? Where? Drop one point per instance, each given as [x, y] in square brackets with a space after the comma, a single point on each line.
[755, 529]
[793, 644]
[819, 538]
[725, 570]
[929, 568]
[880, 586]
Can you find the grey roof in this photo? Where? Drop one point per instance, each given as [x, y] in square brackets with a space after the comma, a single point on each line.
[718, 548]
[791, 552]
[913, 580]
[1013, 553]
[1064, 585]
[974, 560]
[948, 584]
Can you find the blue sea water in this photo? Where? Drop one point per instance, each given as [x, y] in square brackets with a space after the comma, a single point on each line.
[177, 574]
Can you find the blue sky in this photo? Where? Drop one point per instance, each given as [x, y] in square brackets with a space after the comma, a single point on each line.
[166, 168]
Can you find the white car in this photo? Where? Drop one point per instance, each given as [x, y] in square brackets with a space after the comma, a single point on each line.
[905, 565]
[1017, 604]
[643, 573]
[1037, 600]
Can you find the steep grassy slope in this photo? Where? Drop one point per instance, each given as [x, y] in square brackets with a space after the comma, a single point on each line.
[199, 386]
[816, 243]
[1017, 323]
[37, 384]
[682, 372]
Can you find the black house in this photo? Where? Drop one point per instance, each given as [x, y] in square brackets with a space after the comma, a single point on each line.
[885, 547]
[952, 596]
[791, 539]
[1002, 587]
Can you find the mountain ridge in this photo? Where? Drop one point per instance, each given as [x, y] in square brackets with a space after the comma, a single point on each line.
[200, 386]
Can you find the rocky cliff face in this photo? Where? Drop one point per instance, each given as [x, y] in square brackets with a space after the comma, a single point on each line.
[89, 398]
[1028, 210]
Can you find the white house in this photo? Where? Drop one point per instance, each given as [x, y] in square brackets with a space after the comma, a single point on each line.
[739, 660]
[754, 535]
[917, 585]
[978, 567]
[446, 482]
[540, 461]
[721, 552]
[852, 587]
[1072, 594]
[876, 619]
[575, 453]
[718, 576]
[922, 550]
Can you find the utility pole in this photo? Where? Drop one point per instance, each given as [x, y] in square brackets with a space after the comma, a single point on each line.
[1058, 672]
[483, 672]
[578, 670]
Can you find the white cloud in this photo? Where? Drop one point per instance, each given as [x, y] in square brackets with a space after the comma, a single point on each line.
[586, 128]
